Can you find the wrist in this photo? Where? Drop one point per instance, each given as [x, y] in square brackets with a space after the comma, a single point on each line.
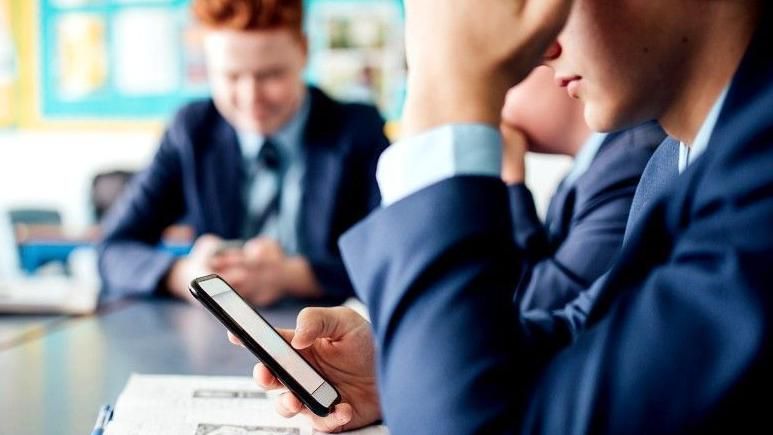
[298, 278]
[514, 173]
[176, 280]
[433, 103]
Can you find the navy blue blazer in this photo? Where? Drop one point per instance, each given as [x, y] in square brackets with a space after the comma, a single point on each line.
[584, 225]
[679, 340]
[197, 174]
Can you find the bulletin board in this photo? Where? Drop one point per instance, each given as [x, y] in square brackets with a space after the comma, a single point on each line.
[130, 59]
[357, 51]
[88, 63]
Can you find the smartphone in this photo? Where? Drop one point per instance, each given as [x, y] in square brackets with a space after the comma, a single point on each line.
[264, 342]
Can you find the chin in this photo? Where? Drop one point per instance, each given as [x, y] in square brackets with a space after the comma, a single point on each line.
[602, 120]
[251, 124]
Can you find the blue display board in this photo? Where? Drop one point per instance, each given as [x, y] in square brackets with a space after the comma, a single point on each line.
[142, 59]
[132, 59]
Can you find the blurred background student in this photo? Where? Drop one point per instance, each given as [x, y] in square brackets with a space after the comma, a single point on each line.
[268, 160]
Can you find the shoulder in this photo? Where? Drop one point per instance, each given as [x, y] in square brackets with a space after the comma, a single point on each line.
[194, 113]
[349, 124]
[194, 123]
[617, 168]
[631, 148]
[624, 155]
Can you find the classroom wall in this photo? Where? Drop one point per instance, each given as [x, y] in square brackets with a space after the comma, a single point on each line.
[54, 168]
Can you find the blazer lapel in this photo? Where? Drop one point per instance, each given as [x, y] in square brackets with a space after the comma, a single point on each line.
[223, 173]
[320, 183]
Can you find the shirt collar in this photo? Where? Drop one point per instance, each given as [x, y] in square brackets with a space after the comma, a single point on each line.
[584, 157]
[288, 137]
[687, 155]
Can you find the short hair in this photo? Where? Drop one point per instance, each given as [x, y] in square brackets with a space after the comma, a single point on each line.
[250, 15]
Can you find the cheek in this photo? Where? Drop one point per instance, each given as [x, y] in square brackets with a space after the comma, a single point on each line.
[282, 92]
[224, 92]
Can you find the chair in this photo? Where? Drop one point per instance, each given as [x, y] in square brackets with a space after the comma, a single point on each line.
[106, 188]
[30, 223]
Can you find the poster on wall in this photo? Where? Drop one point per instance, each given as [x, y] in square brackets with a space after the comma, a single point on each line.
[142, 59]
[81, 53]
[118, 59]
[148, 63]
[357, 51]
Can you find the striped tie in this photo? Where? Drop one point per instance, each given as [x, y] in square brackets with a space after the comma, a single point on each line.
[264, 199]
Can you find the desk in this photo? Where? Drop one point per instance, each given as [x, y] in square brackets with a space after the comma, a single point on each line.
[54, 384]
[15, 329]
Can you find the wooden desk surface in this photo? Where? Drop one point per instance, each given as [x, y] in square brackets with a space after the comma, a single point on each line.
[54, 384]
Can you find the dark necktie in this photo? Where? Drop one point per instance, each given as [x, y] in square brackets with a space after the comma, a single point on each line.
[265, 197]
[660, 172]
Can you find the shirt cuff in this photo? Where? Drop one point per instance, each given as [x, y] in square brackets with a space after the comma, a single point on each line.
[419, 161]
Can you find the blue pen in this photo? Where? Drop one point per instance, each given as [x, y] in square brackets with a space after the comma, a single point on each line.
[105, 414]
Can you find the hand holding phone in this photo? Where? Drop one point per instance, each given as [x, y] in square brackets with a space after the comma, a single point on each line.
[264, 342]
[228, 245]
[340, 341]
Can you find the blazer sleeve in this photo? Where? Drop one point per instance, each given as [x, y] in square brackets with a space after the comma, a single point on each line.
[130, 262]
[436, 271]
[553, 276]
[529, 231]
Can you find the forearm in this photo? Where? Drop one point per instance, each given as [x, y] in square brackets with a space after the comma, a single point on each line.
[528, 230]
[431, 103]
[441, 294]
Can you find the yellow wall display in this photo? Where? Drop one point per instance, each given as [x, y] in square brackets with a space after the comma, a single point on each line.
[25, 93]
[81, 64]
[7, 66]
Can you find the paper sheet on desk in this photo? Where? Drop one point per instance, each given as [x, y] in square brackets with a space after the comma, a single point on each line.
[202, 405]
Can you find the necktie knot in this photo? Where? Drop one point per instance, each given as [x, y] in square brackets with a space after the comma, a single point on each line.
[270, 156]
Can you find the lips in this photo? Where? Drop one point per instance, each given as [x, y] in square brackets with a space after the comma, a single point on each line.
[571, 83]
[564, 81]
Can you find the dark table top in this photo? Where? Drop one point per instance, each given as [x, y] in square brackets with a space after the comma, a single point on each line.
[54, 382]
[18, 328]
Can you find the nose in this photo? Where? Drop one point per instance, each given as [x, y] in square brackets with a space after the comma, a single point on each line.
[250, 89]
